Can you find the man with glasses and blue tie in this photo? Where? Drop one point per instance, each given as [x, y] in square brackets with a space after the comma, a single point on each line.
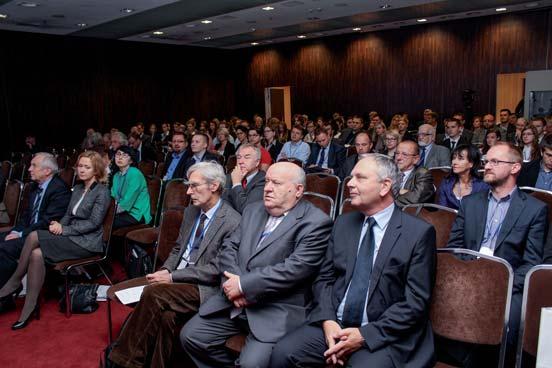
[372, 294]
[48, 201]
[502, 222]
[189, 276]
[416, 181]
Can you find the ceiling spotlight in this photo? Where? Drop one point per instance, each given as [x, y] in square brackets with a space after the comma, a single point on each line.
[301, 36]
[127, 10]
[207, 38]
[421, 20]
[81, 25]
[385, 6]
[26, 4]
[357, 29]
[268, 8]
[254, 43]
[3, 16]
[206, 21]
[501, 9]
[158, 33]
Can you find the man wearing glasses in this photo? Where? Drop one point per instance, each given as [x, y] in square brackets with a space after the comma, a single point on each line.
[254, 136]
[503, 222]
[417, 183]
[431, 155]
[189, 276]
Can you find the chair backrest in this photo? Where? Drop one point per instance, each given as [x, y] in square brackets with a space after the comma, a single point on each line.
[542, 195]
[346, 206]
[466, 287]
[108, 225]
[62, 161]
[6, 169]
[17, 171]
[147, 167]
[68, 176]
[537, 294]
[439, 173]
[442, 218]
[175, 195]
[168, 233]
[231, 163]
[345, 192]
[12, 200]
[324, 184]
[159, 169]
[154, 191]
[25, 201]
[321, 201]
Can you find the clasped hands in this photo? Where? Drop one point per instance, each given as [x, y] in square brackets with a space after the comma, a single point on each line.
[341, 342]
[231, 288]
[55, 228]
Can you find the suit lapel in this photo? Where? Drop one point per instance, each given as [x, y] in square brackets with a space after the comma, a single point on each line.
[253, 181]
[481, 220]
[514, 211]
[352, 245]
[392, 233]
[188, 226]
[213, 229]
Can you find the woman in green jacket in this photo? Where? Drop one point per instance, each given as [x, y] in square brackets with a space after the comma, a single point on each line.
[130, 191]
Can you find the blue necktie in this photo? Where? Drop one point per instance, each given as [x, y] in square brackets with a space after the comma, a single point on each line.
[36, 205]
[198, 237]
[422, 156]
[360, 281]
[322, 156]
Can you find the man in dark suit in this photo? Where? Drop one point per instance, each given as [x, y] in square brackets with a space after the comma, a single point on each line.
[189, 276]
[373, 291]
[363, 145]
[199, 144]
[269, 263]
[48, 201]
[246, 184]
[144, 152]
[504, 222]
[348, 134]
[176, 160]
[538, 173]
[431, 154]
[417, 183]
[326, 154]
[507, 130]
[453, 136]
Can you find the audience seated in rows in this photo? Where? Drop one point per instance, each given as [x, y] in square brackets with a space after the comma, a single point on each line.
[431, 154]
[326, 155]
[295, 148]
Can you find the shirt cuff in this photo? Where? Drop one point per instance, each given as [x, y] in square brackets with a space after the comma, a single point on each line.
[235, 185]
[170, 277]
[19, 233]
[239, 286]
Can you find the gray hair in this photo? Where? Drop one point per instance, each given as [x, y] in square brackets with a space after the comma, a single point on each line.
[48, 161]
[249, 145]
[122, 137]
[212, 171]
[387, 168]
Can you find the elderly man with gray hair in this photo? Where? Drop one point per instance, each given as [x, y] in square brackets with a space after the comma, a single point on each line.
[373, 291]
[431, 154]
[189, 276]
[48, 200]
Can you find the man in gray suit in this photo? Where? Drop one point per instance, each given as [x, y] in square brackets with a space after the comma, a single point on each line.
[269, 264]
[189, 276]
[431, 155]
[246, 182]
[417, 183]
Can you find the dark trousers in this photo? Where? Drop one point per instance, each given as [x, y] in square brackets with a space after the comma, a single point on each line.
[9, 256]
[124, 219]
[147, 338]
[305, 347]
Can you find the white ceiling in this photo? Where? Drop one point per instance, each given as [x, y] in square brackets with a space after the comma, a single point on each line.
[235, 23]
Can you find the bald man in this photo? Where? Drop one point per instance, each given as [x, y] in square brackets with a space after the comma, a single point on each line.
[267, 265]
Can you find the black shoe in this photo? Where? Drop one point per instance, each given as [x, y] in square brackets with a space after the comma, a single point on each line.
[22, 324]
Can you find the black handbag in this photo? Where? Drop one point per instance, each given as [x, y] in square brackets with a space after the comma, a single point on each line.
[82, 298]
[139, 262]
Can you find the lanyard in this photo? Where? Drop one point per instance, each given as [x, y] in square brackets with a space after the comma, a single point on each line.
[205, 226]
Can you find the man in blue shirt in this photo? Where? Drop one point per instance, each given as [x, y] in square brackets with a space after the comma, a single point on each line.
[176, 160]
[296, 148]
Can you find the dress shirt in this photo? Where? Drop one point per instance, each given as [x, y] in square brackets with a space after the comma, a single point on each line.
[326, 154]
[42, 186]
[299, 150]
[496, 213]
[248, 179]
[382, 219]
[453, 143]
[544, 180]
[174, 163]
[184, 262]
[199, 156]
[526, 153]
[405, 177]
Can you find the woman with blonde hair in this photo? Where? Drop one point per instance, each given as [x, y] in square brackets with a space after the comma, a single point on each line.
[79, 234]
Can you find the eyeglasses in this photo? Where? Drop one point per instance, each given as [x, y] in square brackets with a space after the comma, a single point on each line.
[390, 139]
[122, 154]
[424, 134]
[405, 154]
[495, 162]
[193, 185]
[253, 135]
[246, 157]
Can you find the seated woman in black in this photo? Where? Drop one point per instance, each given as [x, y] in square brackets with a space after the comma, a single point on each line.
[77, 235]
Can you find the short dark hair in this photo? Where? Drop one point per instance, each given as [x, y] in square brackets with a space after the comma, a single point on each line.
[242, 128]
[300, 128]
[473, 157]
[546, 142]
[205, 136]
[134, 135]
[507, 110]
[319, 131]
[259, 131]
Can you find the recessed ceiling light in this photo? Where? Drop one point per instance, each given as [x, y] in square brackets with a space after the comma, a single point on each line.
[207, 38]
[127, 10]
[385, 6]
[158, 33]
[3, 16]
[81, 24]
[254, 43]
[252, 29]
[421, 20]
[301, 36]
[501, 9]
[26, 4]
[357, 29]
[206, 21]
[268, 8]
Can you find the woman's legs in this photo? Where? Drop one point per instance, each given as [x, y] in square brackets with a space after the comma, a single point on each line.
[31, 243]
[35, 279]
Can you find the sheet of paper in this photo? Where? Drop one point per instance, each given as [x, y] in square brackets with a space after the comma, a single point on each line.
[102, 293]
[544, 353]
[130, 295]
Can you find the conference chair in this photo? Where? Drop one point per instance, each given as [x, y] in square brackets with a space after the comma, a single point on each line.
[65, 267]
[537, 294]
[438, 174]
[323, 202]
[6, 169]
[159, 169]
[12, 201]
[68, 175]
[17, 171]
[463, 289]
[230, 164]
[147, 167]
[442, 218]
[325, 184]
[346, 206]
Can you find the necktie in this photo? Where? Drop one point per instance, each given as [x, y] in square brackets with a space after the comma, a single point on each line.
[422, 156]
[322, 156]
[452, 145]
[360, 281]
[244, 183]
[197, 238]
[36, 205]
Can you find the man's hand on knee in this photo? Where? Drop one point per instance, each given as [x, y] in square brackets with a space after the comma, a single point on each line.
[163, 276]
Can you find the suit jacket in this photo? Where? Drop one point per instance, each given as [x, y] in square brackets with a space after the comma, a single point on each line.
[85, 227]
[229, 150]
[347, 136]
[274, 149]
[446, 142]
[529, 173]
[336, 155]
[275, 277]
[521, 237]
[52, 208]
[147, 153]
[208, 156]
[347, 167]
[239, 198]
[437, 156]
[420, 188]
[205, 273]
[401, 284]
[179, 172]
